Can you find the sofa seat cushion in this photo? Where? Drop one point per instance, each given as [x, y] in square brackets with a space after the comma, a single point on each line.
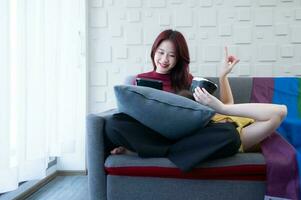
[242, 166]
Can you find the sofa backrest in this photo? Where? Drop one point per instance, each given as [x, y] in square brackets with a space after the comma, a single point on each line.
[241, 88]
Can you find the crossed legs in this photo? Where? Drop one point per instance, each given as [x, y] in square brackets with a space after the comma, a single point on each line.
[267, 117]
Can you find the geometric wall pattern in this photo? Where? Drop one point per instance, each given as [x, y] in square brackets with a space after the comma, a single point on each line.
[264, 34]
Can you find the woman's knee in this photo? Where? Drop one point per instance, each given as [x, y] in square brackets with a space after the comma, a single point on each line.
[281, 112]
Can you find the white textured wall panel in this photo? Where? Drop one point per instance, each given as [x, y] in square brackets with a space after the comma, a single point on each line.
[296, 34]
[164, 19]
[116, 31]
[194, 68]
[245, 53]
[98, 77]
[176, 1]
[242, 3]
[102, 52]
[287, 51]
[98, 17]
[244, 14]
[281, 70]
[227, 16]
[133, 35]
[133, 3]
[193, 53]
[225, 30]
[208, 70]
[212, 53]
[96, 3]
[267, 52]
[244, 69]
[206, 3]
[297, 69]
[298, 14]
[264, 70]
[121, 52]
[98, 95]
[281, 29]
[263, 17]
[183, 18]
[267, 2]
[243, 34]
[133, 16]
[157, 3]
[264, 34]
[207, 17]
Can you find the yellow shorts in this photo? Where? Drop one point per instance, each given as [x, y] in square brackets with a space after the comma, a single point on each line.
[240, 122]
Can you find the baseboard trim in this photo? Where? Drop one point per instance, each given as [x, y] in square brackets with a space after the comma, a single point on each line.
[47, 179]
[71, 172]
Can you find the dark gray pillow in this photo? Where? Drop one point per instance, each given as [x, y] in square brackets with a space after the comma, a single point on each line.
[169, 114]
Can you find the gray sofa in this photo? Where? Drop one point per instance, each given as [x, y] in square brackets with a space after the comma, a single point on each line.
[128, 177]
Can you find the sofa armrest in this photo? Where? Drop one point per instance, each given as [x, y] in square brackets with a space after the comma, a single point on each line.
[96, 154]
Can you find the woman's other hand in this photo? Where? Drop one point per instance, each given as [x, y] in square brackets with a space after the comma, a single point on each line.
[202, 96]
[229, 62]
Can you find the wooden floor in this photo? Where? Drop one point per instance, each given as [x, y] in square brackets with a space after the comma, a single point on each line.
[62, 188]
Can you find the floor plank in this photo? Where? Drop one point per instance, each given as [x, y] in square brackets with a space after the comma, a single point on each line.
[62, 188]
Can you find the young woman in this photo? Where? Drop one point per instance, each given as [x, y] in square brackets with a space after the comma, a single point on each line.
[170, 58]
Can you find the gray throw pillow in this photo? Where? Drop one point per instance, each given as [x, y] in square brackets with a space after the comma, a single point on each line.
[169, 114]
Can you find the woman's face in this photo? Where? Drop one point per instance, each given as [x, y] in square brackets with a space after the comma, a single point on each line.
[165, 57]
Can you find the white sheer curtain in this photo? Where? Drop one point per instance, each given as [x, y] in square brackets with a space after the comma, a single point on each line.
[42, 86]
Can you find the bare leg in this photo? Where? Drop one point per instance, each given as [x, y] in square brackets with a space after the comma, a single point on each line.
[258, 131]
[267, 116]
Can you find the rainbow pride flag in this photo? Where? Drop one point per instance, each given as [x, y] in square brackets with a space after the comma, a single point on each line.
[282, 151]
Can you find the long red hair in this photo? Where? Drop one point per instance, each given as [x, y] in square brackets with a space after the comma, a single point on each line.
[179, 74]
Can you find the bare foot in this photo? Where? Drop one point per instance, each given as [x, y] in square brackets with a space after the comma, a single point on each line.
[121, 150]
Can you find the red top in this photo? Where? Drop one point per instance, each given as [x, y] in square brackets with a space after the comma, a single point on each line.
[165, 78]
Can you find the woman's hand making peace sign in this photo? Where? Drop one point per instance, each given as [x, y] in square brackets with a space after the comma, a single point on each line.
[229, 62]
